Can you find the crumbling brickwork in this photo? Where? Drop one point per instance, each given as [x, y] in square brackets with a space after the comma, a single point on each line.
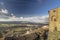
[54, 24]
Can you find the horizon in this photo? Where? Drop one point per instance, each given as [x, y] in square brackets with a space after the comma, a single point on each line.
[26, 10]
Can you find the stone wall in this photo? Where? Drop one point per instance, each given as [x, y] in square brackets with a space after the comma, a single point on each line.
[54, 24]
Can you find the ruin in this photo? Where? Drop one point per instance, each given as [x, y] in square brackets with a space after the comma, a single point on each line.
[54, 24]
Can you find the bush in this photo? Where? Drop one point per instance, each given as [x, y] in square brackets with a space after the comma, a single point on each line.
[1, 35]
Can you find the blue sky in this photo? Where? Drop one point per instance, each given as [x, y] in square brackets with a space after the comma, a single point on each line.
[28, 8]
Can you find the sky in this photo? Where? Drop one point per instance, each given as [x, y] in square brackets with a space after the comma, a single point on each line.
[26, 10]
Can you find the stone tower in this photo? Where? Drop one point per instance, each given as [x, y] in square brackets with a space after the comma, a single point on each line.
[54, 24]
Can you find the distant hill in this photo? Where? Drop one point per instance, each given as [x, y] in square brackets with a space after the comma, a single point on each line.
[19, 22]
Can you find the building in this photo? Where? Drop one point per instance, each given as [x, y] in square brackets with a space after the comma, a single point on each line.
[54, 24]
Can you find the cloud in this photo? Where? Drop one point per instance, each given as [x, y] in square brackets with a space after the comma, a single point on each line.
[41, 19]
[37, 19]
[12, 14]
[2, 8]
[4, 11]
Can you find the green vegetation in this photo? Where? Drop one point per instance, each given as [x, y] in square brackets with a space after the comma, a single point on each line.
[1, 35]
